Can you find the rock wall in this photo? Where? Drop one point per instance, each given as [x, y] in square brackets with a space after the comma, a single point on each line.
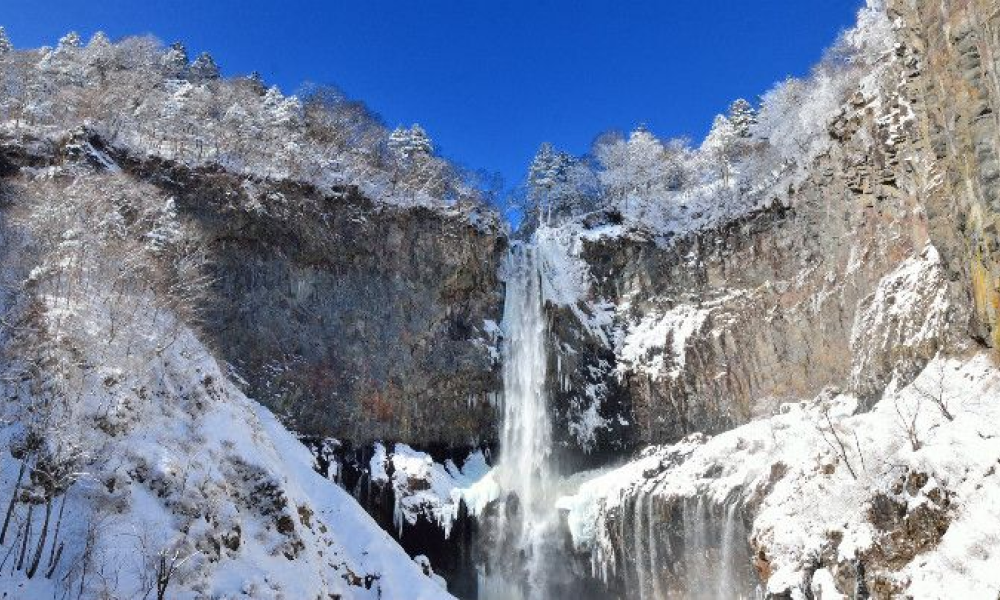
[349, 318]
[951, 58]
[713, 328]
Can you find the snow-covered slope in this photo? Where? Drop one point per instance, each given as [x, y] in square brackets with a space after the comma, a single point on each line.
[172, 461]
[902, 499]
[132, 466]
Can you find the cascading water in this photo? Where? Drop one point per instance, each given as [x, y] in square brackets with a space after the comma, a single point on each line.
[717, 563]
[523, 555]
[523, 470]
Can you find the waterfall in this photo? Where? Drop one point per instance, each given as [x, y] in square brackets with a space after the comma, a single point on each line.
[715, 553]
[523, 469]
[706, 558]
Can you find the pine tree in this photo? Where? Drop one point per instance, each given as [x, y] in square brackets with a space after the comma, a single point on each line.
[204, 68]
[5, 45]
[408, 144]
[257, 82]
[70, 41]
[550, 186]
[175, 61]
[743, 117]
[420, 142]
[100, 40]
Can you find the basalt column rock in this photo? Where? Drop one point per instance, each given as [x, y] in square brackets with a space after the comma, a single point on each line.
[348, 317]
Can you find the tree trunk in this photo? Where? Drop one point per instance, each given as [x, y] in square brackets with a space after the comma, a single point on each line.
[13, 502]
[55, 535]
[27, 534]
[33, 568]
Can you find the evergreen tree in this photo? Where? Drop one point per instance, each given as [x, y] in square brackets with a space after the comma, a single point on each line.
[257, 81]
[70, 41]
[551, 190]
[743, 117]
[408, 144]
[175, 61]
[100, 40]
[5, 45]
[204, 68]
[420, 142]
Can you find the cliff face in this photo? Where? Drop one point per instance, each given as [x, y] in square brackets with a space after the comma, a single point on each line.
[951, 51]
[347, 317]
[357, 321]
[882, 254]
[706, 330]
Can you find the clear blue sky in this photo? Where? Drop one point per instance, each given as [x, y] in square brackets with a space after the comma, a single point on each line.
[490, 81]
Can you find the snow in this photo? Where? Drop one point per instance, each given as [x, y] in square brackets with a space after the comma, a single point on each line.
[425, 488]
[565, 275]
[173, 460]
[644, 343]
[817, 496]
[908, 310]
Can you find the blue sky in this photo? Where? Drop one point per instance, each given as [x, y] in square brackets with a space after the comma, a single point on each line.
[489, 80]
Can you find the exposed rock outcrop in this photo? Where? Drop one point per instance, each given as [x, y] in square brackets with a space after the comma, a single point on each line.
[706, 330]
[347, 317]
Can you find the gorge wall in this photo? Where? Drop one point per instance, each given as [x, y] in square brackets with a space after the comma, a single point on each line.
[709, 329]
[348, 318]
[880, 256]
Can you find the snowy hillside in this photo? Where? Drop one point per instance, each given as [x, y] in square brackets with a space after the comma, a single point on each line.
[135, 467]
[908, 489]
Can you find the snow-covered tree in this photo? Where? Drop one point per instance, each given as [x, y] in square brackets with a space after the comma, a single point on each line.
[743, 117]
[204, 68]
[100, 39]
[718, 149]
[175, 61]
[256, 81]
[5, 45]
[280, 109]
[632, 167]
[70, 41]
[549, 187]
[409, 144]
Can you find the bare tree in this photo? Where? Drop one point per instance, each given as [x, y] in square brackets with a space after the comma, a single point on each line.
[907, 419]
[936, 392]
[833, 438]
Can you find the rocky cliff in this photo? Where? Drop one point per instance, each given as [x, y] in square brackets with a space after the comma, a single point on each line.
[707, 329]
[349, 318]
[950, 53]
[838, 292]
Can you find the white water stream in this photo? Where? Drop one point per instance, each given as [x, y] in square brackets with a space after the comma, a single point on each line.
[523, 469]
[521, 564]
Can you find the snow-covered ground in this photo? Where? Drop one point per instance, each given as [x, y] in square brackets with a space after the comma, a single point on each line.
[812, 473]
[196, 472]
[145, 466]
